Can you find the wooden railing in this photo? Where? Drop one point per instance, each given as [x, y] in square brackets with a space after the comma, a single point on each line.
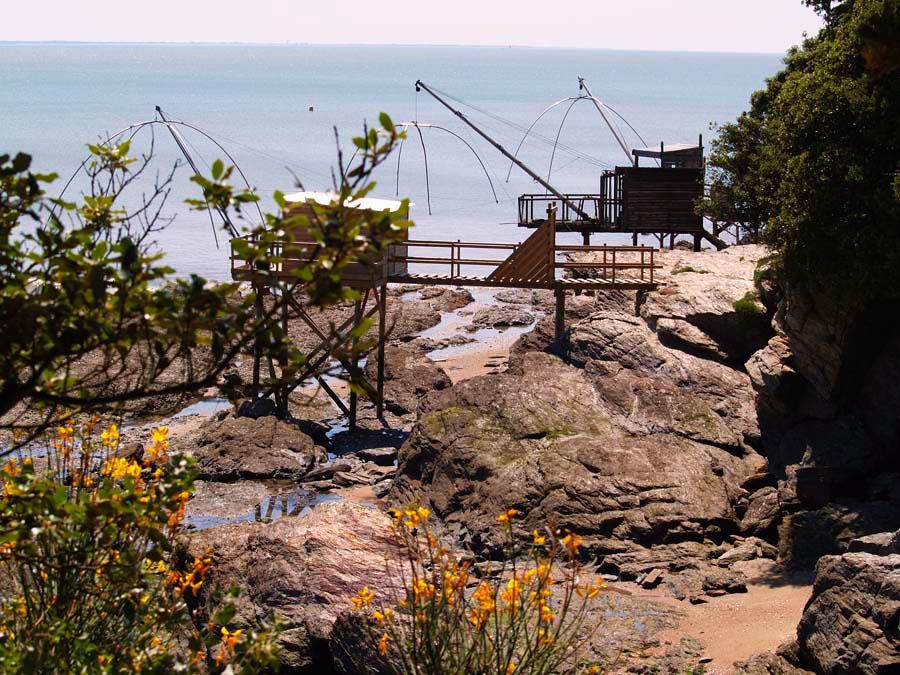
[529, 204]
[455, 259]
[611, 261]
[609, 264]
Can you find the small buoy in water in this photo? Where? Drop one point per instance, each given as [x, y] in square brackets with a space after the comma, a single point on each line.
[311, 108]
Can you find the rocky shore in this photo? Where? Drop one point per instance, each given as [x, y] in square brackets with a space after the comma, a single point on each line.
[720, 444]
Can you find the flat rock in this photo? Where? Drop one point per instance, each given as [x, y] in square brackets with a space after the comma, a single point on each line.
[657, 388]
[380, 456]
[243, 447]
[700, 310]
[501, 316]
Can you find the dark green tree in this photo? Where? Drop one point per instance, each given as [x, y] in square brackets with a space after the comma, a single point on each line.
[813, 162]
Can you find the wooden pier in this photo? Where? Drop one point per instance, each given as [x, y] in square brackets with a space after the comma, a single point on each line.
[539, 262]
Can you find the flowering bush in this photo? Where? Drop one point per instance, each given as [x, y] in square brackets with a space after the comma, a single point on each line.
[529, 618]
[92, 579]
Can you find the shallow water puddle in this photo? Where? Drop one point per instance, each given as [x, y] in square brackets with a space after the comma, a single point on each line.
[205, 407]
[216, 504]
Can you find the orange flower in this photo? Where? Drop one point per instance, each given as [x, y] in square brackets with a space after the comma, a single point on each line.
[383, 644]
[505, 517]
[572, 542]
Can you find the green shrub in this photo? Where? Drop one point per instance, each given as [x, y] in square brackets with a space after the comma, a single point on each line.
[436, 618]
[93, 580]
[686, 269]
[748, 305]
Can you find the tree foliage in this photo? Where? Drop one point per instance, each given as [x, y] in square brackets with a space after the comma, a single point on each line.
[92, 317]
[814, 161]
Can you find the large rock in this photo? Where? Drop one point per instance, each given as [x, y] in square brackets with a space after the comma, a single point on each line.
[408, 376]
[850, 624]
[501, 316]
[657, 388]
[243, 447]
[707, 304]
[539, 438]
[304, 569]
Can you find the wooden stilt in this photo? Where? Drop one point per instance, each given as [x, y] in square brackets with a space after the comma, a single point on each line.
[382, 322]
[357, 314]
[282, 399]
[257, 348]
[698, 240]
[560, 323]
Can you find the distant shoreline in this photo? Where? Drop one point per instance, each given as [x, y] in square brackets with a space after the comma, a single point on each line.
[372, 45]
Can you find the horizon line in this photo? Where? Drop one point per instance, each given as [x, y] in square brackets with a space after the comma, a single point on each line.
[291, 43]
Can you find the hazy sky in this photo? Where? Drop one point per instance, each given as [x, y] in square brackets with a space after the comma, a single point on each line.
[700, 25]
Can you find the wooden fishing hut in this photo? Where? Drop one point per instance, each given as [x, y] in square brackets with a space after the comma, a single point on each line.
[658, 200]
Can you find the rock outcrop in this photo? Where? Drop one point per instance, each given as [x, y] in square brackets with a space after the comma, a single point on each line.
[708, 306]
[850, 624]
[302, 569]
[540, 438]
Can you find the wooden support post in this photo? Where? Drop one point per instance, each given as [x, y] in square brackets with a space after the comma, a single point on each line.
[560, 323]
[698, 240]
[382, 322]
[282, 398]
[357, 317]
[586, 237]
[634, 239]
[257, 304]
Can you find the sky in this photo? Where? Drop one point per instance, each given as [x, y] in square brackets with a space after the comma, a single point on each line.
[683, 25]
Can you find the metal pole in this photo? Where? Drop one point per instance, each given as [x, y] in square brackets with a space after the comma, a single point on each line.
[582, 84]
[190, 161]
[552, 190]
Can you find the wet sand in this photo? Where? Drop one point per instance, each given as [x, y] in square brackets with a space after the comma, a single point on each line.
[735, 627]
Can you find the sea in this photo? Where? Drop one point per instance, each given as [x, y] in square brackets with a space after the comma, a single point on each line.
[282, 112]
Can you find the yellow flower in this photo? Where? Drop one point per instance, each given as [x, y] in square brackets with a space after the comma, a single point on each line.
[230, 639]
[539, 539]
[547, 615]
[415, 516]
[119, 467]
[160, 443]
[422, 590]
[110, 437]
[512, 593]
[484, 596]
[594, 670]
[364, 599]
[504, 517]
[383, 644]
[510, 668]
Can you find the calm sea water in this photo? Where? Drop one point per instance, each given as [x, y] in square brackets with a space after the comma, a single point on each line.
[255, 101]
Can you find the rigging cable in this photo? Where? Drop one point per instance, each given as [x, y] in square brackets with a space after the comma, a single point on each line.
[584, 156]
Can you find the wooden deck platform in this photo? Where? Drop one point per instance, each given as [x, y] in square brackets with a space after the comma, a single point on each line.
[536, 263]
